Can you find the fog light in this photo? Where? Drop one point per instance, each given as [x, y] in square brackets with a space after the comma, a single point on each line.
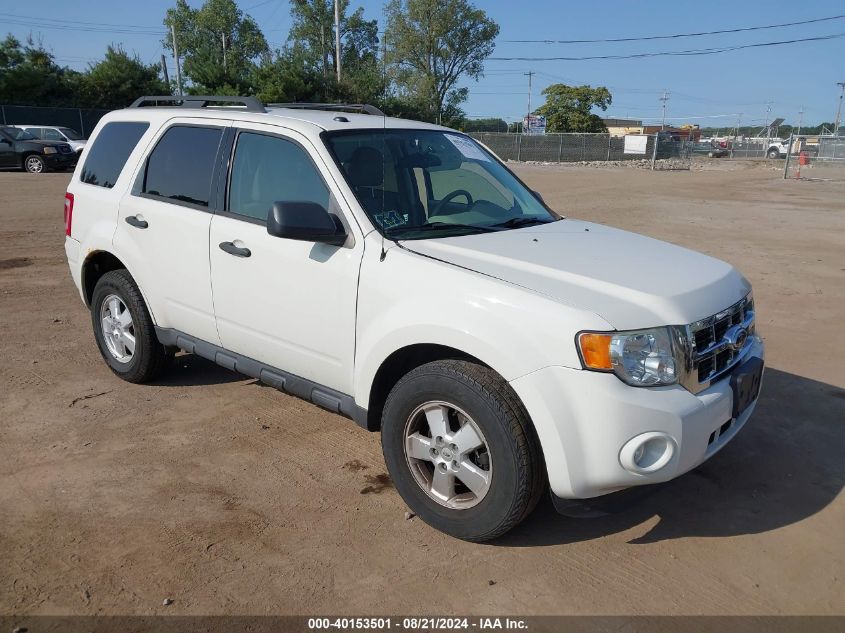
[647, 453]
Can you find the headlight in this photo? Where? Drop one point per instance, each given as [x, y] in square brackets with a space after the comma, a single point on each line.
[641, 358]
[49, 150]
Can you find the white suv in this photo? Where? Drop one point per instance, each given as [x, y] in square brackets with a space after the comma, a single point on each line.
[399, 274]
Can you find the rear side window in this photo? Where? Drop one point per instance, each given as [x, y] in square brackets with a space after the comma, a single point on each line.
[181, 165]
[269, 169]
[107, 156]
[49, 134]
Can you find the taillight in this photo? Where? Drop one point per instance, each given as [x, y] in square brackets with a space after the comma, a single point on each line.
[68, 212]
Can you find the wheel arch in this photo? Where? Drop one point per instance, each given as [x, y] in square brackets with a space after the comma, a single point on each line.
[97, 264]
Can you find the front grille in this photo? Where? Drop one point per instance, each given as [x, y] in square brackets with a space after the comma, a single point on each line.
[713, 352]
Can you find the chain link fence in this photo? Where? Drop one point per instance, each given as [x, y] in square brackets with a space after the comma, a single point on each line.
[815, 158]
[662, 152]
[82, 120]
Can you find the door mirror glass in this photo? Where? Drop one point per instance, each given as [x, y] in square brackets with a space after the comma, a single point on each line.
[305, 221]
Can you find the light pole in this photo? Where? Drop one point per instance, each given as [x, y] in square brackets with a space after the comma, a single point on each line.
[526, 128]
[841, 84]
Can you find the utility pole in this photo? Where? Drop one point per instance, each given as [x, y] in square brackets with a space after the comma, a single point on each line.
[337, 36]
[526, 128]
[800, 119]
[164, 70]
[664, 99]
[768, 120]
[224, 53]
[176, 57]
[841, 84]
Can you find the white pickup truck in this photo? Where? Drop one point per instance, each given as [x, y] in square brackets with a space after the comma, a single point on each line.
[399, 274]
[777, 148]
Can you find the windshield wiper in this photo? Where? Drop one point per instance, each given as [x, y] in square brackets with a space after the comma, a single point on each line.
[520, 221]
[436, 226]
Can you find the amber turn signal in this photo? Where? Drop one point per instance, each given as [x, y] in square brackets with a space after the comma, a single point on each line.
[595, 350]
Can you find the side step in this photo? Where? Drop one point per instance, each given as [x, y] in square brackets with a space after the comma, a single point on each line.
[324, 397]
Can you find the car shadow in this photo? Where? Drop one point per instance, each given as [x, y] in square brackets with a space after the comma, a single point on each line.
[784, 466]
[190, 370]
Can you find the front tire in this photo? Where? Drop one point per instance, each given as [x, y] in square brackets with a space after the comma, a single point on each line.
[773, 153]
[124, 329]
[34, 164]
[461, 449]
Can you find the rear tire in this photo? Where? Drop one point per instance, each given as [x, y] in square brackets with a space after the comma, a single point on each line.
[124, 329]
[461, 423]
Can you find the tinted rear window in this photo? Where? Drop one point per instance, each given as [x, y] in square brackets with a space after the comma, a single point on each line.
[180, 166]
[107, 156]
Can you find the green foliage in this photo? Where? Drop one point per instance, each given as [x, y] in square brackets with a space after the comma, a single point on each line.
[568, 108]
[431, 45]
[287, 78]
[485, 125]
[219, 44]
[118, 79]
[30, 76]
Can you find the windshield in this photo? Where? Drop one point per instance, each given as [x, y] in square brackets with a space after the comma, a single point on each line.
[419, 184]
[18, 134]
[71, 135]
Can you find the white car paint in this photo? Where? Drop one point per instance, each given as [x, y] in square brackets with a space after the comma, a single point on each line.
[515, 300]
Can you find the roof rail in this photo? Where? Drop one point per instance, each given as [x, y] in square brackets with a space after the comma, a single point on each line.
[250, 104]
[360, 108]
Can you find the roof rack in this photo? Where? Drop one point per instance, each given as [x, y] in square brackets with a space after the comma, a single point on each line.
[250, 104]
[360, 108]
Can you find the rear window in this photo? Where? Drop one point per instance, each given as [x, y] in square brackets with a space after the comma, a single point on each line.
[181, 165]
[110, 151]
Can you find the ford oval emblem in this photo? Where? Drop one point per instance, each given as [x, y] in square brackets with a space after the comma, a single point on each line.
[736, 337]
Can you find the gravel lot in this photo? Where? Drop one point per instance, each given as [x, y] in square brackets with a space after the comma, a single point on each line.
[229, 497]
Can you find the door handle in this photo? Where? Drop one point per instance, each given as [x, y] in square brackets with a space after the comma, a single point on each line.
[237, 251]
[134, 220]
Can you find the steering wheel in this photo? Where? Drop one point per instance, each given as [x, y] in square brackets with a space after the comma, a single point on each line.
[451, 196]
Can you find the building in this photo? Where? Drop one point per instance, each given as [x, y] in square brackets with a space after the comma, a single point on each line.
[621, 127]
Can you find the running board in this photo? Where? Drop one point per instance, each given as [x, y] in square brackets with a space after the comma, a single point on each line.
[324, 397]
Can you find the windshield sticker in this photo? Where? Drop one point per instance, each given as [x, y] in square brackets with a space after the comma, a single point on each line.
[389, 219]
[467, 147]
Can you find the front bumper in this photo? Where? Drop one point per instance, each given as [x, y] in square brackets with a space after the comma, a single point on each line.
[585, 419]
[60, 161]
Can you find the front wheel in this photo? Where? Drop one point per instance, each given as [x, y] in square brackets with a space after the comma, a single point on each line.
[124, 330]
[461, 450]
[34, 164]
[773, 153]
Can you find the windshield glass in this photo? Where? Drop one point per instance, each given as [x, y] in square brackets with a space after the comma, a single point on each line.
[419, 184]
[71, 135]
[18, 134]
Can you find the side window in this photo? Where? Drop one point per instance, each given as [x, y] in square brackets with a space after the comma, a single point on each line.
[51, 135]
[181, 165]
[268, 169]
[37, 132]
[105, 159]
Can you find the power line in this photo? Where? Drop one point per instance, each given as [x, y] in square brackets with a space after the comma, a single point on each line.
[677, 35]
[690, 52]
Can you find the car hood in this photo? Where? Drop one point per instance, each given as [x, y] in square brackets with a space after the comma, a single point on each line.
[629, 280]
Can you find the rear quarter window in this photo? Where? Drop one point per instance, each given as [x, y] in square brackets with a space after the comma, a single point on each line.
[108, 154]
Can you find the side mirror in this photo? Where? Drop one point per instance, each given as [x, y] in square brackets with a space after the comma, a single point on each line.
[538, 196]
[305, 221]
[5, 141]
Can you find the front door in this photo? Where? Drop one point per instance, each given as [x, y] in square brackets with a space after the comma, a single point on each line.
[287, 303]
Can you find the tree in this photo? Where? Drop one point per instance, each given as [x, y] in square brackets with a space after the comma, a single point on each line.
[30, 76]
[568, 108]
[431, 45]
[485, 125]
[118, 79]
[219, 44]
[287, 77]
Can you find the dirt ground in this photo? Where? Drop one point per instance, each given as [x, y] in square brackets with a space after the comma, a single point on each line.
[231, 498]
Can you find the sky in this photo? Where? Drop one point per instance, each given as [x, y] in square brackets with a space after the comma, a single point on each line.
[711, 90]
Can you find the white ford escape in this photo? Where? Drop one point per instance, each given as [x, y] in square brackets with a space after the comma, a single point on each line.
[399, 274]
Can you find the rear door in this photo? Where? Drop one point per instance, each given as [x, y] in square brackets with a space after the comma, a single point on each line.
[163, 224]
[8, 157]
[289, 304]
